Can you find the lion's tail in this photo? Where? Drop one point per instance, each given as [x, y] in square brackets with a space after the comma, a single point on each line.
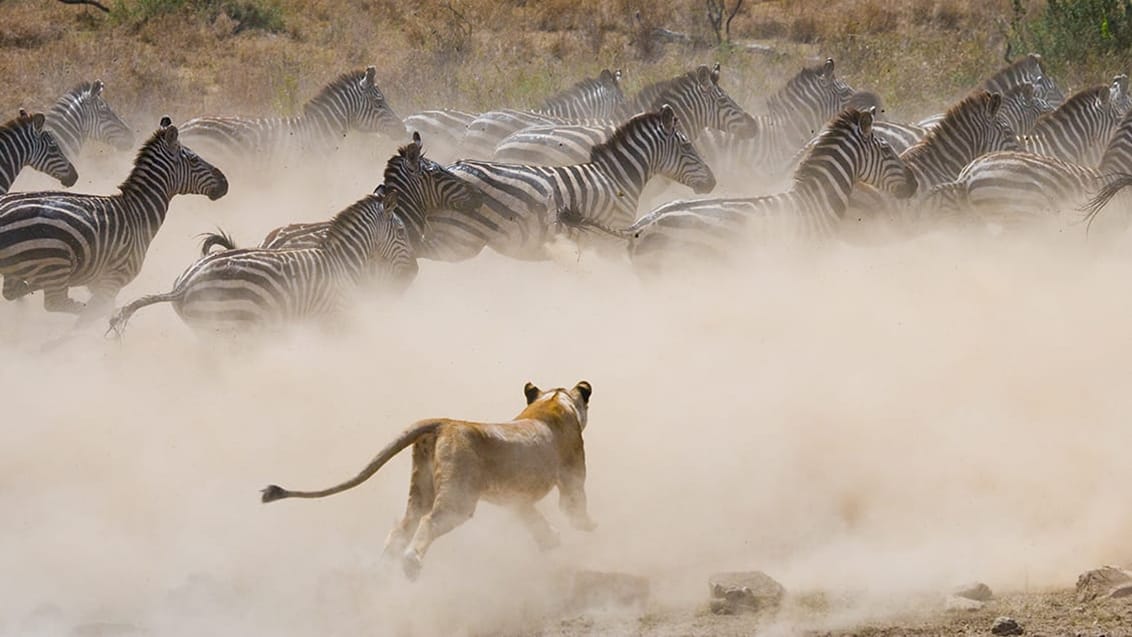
[274, 492]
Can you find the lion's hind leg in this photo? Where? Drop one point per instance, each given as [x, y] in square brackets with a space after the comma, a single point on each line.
[454, 505]
[546, 536]
[422, 495]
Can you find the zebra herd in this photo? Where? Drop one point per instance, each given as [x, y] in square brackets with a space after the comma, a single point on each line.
[518, 180]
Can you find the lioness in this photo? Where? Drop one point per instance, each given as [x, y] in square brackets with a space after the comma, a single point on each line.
[456, 462]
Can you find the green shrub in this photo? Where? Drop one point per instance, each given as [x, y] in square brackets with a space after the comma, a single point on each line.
[1069, 31]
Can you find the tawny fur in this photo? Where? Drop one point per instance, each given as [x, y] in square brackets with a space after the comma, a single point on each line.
[457, 463]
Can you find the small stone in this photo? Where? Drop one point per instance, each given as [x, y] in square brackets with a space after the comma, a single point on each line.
[957, 603]
[977, 591]
[1101, 582]
[738, 592]
[1006, 626]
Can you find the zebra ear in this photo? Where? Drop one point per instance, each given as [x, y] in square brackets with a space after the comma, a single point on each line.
[379, 191]
[416, 138]
[169, 132]
[827, 69]
[389, 201]
[531, 392]
[703, 77]
[37, 121]
[96, 88]
[993, 104]
[667, 118]
[866, 121]
[24, 114]
[715, 74]
[165, 122]
[371, 74]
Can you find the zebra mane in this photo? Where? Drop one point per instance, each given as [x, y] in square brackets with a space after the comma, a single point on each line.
[642, 101]
[81, 89]
[1087, 99]
[605, 83]
[619, 136]
[346, 221]
[1028, 65]
[334, 87]
[977, 100]
[830, 137]
[801, 78]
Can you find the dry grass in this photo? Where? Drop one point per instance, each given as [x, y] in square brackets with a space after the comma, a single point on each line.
[482, 54]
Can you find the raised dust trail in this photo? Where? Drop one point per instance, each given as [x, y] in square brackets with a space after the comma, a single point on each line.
[880, 419]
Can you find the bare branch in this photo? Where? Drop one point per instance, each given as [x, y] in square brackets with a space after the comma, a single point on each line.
[93, 3]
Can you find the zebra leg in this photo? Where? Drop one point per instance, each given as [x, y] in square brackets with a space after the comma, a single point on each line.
[57, 300]
[15, 288]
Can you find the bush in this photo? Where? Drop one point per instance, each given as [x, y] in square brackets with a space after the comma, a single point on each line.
[1073, 30]
[265, 15]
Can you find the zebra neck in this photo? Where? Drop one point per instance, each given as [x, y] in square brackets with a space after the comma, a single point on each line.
[70, 123]
[14, 157]
[629, 172]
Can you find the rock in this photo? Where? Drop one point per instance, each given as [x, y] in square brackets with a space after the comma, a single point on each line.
[1006, 626]
[957, 603]
[596, 589]
[1124, 590]
[740, 592]
[977, 591]
[1101, 582]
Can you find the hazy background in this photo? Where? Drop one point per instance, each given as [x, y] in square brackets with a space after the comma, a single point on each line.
[878, 420]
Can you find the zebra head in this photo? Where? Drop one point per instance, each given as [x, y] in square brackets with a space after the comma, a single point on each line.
[675, 157]
[878, 163]
[1022, 106]
[717, 109]
[186, 172]
[44, 153]
[424, 186]
[362, 104]
[1118, 91]
[105, 125]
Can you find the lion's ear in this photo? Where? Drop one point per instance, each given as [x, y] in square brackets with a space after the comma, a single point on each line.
[584, 389]
[531, 392]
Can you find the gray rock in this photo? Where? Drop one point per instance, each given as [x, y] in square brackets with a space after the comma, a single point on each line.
[977, 591]
[1101, 582]
[597, 589]
[1006, 626]
[957, 603]
[744, 592]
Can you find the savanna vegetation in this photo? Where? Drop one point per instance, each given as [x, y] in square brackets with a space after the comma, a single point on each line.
[187, 57]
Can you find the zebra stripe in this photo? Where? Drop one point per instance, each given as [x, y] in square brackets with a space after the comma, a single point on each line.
[256, 287]
[443, 128]
[1021, 109]
[591, 98]
[515, 219]
[422, 188]
[1080, 129]
[847, 152]
[54, 241]
[24, 142]
[353, 102]
[1024, 70]
[696, 97]
[82, 114]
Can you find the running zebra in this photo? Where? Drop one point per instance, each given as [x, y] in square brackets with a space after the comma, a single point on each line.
[423, 188]
[238, 290]
[25, 142]
[515, 219]
[813, 208]
[795, 115]
[696, 97]
[591, 98]
[1024, 70]
[1080, 129]
[353, 102]
[83, 114]
[53, 241]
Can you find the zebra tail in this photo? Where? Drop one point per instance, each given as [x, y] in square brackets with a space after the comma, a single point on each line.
[121, 317]
[218, 239]
[571, 218]
[1093, 207]
[410, 436]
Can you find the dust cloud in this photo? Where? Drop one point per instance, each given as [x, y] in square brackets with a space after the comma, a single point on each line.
[883, 419]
